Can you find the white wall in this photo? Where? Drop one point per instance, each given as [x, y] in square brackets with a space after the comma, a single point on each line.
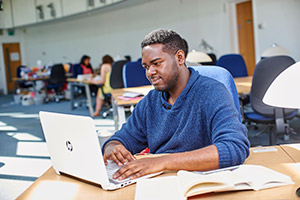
[120, 32]
[281, 24]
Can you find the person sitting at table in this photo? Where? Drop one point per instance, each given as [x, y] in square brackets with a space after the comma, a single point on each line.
[84, 67]
[104, 80]
[188, 117]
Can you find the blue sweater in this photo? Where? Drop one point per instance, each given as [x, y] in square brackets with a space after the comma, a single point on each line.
[202, 115]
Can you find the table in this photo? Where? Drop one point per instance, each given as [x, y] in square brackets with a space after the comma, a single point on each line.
[293, 150]
[118, 104]
[30, 79]
[53, 186]
[73, 82]
[243, 84]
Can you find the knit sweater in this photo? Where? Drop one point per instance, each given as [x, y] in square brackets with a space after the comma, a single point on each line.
[202, 115]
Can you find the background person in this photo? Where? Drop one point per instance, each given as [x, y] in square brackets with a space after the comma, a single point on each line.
[105, 70]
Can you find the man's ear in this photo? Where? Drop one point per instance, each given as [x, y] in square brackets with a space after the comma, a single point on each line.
[180, 57]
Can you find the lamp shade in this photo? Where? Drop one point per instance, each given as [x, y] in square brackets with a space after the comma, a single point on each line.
[284, 92]
[197, 57]
[275, 50]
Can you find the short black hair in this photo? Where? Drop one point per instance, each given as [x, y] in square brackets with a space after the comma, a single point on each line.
[186, 47]
[171, 40]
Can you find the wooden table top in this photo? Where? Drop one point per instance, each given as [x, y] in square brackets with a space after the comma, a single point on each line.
[243, 84]
[119, 92]
[53, 186]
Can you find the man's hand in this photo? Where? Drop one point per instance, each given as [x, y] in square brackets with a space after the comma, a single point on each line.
[115, 150]
[140, 167]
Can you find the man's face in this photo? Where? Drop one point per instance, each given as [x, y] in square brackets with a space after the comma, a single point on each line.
[161, 67]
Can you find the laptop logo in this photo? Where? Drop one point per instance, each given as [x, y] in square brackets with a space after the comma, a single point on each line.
[69, 146]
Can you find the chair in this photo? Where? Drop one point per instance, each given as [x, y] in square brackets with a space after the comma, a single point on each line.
[234, 63]
[274, 117]
[134, 74]
[56, 82]
[116, 75]
[223, 76]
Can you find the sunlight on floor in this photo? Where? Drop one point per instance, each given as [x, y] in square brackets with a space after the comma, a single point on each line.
[104, 122]
[32, 149]
[24, 136]
[20, 115]
[8, 128]
[28, 167]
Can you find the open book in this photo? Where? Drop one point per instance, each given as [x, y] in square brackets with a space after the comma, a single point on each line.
[128, 96]
[187, 184]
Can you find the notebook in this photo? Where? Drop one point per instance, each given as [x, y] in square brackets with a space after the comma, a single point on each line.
[74, 150]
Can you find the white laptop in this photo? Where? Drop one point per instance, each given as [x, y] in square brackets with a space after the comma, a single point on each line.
[74, 149]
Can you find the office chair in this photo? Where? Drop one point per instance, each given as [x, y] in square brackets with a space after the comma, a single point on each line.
[134, 74]
[56, 83]
[275, 118]
[223, 76]
[116, 75]
[234, 63]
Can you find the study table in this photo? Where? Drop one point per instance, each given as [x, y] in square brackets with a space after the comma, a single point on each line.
[73, 82]
[52, 186]
[293, 150]
[243, 85]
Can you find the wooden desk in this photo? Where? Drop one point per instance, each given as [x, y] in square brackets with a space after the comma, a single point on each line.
[53, 186]
[118, 104]
[30, 79]
[293, 150]
[73, 82]
[243, 84]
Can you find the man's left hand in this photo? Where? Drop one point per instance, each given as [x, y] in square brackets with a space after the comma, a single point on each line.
[141, 167]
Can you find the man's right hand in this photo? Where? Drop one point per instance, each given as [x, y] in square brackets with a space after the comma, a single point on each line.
[115, 150]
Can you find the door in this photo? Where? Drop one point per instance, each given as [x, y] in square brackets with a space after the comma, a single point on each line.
[245, 34]
[12, 60]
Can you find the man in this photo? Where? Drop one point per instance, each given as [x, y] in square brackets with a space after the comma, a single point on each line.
[189, 117]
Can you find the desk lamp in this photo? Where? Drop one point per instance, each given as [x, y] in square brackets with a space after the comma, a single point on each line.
[197, 57]
[285, 90]
[275, 50]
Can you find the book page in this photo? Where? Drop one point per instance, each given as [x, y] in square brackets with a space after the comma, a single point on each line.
[261, 177]
[132, 94]
[194, 184]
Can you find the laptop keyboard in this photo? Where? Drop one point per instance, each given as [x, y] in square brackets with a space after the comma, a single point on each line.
[111, 168]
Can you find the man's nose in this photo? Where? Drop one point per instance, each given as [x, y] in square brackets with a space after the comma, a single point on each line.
[151, 70]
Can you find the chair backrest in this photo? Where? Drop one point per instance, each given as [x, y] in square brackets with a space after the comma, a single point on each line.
[58, 74]
[116, 75]
[234, 63]
[223, 76]
[264, 74]
[134, 74]
[76, 70]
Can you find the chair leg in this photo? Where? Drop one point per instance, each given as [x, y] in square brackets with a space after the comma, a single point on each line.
[262, 131]
[272, 136]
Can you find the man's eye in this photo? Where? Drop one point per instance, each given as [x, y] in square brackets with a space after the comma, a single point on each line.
[157, 63]
[146, 66]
